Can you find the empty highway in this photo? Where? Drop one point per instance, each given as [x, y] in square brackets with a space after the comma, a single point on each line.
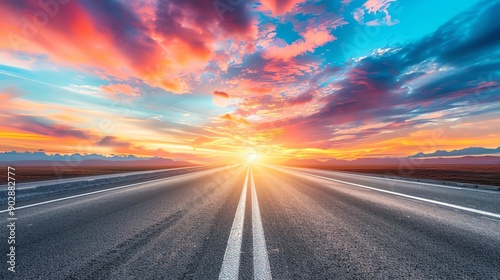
[254, 221]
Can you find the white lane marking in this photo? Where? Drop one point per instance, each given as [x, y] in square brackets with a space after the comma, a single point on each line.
[231, 263]
[261, 267]
[400, 180]
[110, 189]
[485, 213]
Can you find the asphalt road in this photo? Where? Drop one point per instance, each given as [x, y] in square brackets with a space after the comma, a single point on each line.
[259, 222]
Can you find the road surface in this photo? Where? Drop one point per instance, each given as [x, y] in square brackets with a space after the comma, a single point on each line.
[259, 222]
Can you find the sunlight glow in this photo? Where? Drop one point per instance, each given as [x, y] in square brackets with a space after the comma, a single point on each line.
[252, 157]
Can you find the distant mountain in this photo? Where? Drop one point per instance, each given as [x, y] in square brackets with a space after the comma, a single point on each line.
[308, 162]
[490, 160]
[42, 159]
[493, 160]
[99, 163]
[16, 156]
[462, 152]
[336, 162]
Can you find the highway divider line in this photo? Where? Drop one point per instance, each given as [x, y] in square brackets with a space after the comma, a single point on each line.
[107, 190]
[467, 209]
[261, 266]
[231, 263]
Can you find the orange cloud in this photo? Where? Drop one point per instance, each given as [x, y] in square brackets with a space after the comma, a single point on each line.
[232, 118]
[120, 89]
[148, 43]
[280, 7]
[202, 140]
[221, 98]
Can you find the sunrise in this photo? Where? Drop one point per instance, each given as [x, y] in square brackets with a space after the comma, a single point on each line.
[235, 139]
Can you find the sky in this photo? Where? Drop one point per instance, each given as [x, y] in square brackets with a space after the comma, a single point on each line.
[211, 81]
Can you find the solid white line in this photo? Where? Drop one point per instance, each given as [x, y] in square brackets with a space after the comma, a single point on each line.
[485, 213]
[261, 267]
[105, 190]
[231, 263]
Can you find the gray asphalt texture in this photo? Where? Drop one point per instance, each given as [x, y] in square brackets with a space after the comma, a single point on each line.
[178, 228]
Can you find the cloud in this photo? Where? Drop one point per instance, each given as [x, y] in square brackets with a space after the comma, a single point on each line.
[231, 118]
[221, 94]
[112, 141]
[301, 99]
[43, 126]
[275, 65]
[157, 44]
[221, 99]
[374, 7]
[103, 34]
[311, 40]
[193, 25]
[314, 34]
[280, 7]
[202, 140]
[121, 89]
[359, 14]
[14, 61]
[442, 72]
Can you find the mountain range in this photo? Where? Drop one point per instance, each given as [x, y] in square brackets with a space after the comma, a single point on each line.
[96, 160]
[486, 160]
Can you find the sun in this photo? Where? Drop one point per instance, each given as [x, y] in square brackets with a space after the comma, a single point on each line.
[252, 157]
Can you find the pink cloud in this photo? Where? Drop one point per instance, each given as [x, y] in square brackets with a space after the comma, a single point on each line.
[221, 94]
[156, 42]
[311, 40]
[221, 99]
[120, 89]
[231, 118]
[374, 6]
[359, 14]
[280, 7]
[315, 33]
[373, 23]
